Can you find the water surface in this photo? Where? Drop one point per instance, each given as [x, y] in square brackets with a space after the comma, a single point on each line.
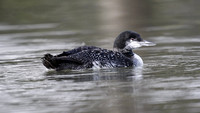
[168, 82]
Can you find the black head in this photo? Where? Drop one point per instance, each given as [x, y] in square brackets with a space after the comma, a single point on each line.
[129, 40]
[124, 37]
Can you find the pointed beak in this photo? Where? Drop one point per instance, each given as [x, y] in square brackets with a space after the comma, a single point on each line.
[146, 43]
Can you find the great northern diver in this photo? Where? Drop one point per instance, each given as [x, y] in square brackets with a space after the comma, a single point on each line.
[90, 56]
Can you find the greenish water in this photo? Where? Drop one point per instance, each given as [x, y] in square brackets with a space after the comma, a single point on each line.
[168, 83]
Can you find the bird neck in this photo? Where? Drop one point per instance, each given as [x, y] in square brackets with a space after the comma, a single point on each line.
[127, 52]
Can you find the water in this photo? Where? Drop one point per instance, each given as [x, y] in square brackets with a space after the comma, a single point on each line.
[169, 81]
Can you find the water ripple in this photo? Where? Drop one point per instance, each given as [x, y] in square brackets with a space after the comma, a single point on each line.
[27, 27]
[39, 34]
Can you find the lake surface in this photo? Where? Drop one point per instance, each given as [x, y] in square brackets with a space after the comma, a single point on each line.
[168, 82]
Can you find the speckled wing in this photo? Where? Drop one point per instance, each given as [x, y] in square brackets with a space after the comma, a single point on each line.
[87, 58]
[77, 50]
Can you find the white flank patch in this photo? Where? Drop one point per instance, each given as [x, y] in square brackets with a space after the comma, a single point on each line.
[96, 65]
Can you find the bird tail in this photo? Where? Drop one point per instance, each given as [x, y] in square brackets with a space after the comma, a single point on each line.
[48, 61]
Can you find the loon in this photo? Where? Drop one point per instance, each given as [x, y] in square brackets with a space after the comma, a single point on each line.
[90, 56]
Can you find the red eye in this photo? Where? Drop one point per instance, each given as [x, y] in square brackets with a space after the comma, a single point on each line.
[132, 39]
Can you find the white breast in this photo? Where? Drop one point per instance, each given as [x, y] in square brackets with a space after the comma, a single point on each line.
[137, 60]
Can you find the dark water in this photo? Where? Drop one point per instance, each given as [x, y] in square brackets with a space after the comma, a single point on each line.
[168, 83]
